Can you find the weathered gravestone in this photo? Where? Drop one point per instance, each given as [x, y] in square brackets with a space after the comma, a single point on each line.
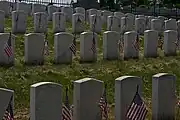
[7, 57]
[22, 6]
[34, 48]
[50, 10]
[19, 22]
[5, 6]
[95, 23]
[140, 25]
[62, 51]
[113, 24]
[131, 45]
[170, 24]
[87, 89]
[68, 13]
[125, 90]
[59, 22]
[88, 47]
[78, 23]
[156, 24]
[110, 45]
[170, 39]
[40, 22]
[150, 43]
[46, 101]
[163, 96]
[126, 24]
[2, 21]
[80, 10]
[38, 8]
[7, 97]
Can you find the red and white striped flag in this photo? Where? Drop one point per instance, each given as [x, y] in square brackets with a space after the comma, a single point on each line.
[93, 46]
[46, 50]
[72, 47]
[9, 112]
[8, 47]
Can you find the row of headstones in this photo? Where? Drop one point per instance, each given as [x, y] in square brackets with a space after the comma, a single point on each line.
[113, 23]
[46, 98]
[114, 47]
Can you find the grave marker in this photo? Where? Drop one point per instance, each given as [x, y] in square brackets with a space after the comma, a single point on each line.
[40, 22]
[59, 22]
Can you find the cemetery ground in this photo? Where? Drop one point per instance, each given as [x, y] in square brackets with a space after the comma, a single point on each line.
[20, 77]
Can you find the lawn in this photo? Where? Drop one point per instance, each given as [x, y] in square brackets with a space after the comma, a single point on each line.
[20, 77]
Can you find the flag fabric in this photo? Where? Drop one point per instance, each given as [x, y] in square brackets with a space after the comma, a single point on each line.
[46, 50]
[103, 105]
[160, 42]
[137, 109]
[9, 112]
[120, 43]
[66, 111]
[8, 47]
[72, 47]
[93, 46]
[136, 44]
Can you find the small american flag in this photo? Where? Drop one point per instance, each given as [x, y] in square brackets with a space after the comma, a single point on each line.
[136, 44]
[121, 46]
[103, 105]
[137, 109]
[72, 47]
[9, 112]
[8, 47]
[93, 47]
[46, 50]
[66, 111]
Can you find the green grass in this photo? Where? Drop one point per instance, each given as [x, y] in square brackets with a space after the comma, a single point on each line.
[20, 77]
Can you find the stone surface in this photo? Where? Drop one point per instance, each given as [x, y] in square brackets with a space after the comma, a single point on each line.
[170, 38]
[68, 13]
[80, 10]
[38, 8]
[113, 24]
[78, 23]
[4, 59]
[2, 21]
[40, 22]
[45, 101]
[150, 43]
[19, 22]
[170, 24]
[87, 89]
[62, 42]
[156, 24]
[105, 15]
[126, 24]
[140, 25]
[6, 95]
[4, 6]
[51, 9]
[88, 51]
[148, 22]
[59, 22]
[131, 16]
[25, 7]
[95, 23]
[163, 96]
[110, 45]
[34, 48]
[124, 85]
[119, 14]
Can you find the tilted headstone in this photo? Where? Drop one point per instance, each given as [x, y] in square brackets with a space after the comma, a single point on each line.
[125, 90]
[105, 15]
[140, 25]
[148, 22]
[5, 6]
[87, 89]
[38, 8]
[126, 24]
[113, 24]
[130, 46]
[59, 22]
[170, 24]
[7, 96]
[170, 39]
[95, 23]
[7, 55]
[40, 22]
[46, 101]
[78, 23]
[119, 14]
[163, 96]
[110, 45]
[88, 47]
[22, 6]
[51, 9]
[34, 48]
[80, 10]
[150, 43]
[68, 13]
[62, 52]
[2, 21]
[131, 16]
[19, 22]
[156, 24]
